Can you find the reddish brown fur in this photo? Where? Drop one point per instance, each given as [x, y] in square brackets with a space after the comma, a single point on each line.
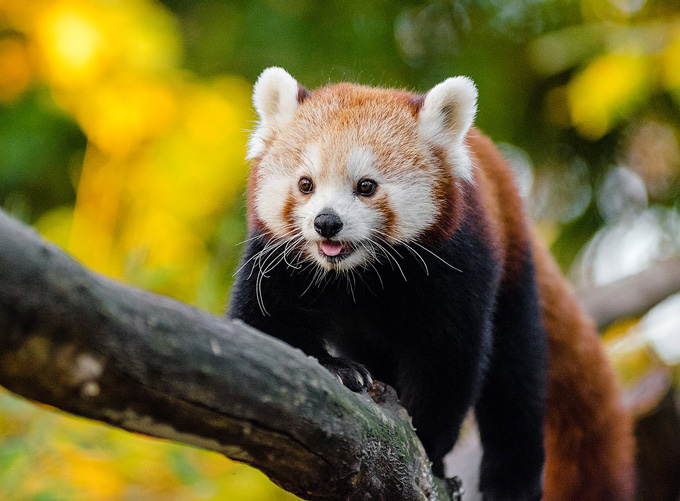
[589, 439]
[344, 107]
[388, 215]
[588, 432]
[501, 200]
[254, 222]
[288, 209]
[449, 201]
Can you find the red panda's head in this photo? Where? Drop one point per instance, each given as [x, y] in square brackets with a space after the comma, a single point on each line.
[345, 170]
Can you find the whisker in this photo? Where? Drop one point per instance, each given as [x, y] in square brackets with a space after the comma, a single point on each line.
[367, 245]
[311, 282]
[290, 246]
[407, 246]
[382, 284]
[245, 263]
[268, 258]
[351, 283]
[435, 255]
[259, 254]
[259, 235]
[388, 254]
[364, 267]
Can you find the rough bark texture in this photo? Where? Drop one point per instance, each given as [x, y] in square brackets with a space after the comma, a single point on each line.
[90, 346]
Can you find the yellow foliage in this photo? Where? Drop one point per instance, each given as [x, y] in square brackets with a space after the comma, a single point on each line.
[83, 462]
[15, 69]
[74, 46]
[629, 351]
[157, 206]
[90, 473]
[608, 88]
[547, 231]
[163, 166]
[165, 153]
[670, 61]
[121, 113]
[85, 40]
[56, 225]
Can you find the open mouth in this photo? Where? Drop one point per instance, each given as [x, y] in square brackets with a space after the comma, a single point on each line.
[335, 251]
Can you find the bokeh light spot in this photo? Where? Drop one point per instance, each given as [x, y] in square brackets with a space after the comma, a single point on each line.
[72, 43]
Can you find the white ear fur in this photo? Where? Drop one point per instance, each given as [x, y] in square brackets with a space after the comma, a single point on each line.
[275, 97]
[447, 114]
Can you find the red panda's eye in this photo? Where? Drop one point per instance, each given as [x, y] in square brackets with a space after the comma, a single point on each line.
[306, 185]
[366, 187]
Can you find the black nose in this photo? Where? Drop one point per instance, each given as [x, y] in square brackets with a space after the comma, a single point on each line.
[327, 223]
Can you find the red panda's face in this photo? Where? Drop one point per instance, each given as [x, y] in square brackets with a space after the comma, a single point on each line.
[348, 172]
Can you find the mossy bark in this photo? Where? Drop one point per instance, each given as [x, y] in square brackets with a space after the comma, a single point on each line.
[142, 362]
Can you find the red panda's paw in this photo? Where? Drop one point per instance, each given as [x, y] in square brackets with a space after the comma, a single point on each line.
[454, 487]
[352, 374]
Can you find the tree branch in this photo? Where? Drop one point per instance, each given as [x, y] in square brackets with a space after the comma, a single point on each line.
[142, 362]
[631, 296]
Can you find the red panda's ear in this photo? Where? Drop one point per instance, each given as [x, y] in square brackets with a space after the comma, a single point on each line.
[276, 97]
[446, 115]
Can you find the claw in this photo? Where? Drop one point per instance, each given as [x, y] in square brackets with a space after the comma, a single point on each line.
[352, 374]
[455, 487]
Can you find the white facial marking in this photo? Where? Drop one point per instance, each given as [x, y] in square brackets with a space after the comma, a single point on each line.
[408, 189]
[361, 163]
[411, 200]
[311, 161]
[274, 185]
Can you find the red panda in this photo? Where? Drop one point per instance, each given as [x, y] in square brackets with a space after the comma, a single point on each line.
[388, 240]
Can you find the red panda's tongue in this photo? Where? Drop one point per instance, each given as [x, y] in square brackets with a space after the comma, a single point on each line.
[331, 248]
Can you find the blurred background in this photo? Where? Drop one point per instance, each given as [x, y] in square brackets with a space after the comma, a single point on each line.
[122, 138]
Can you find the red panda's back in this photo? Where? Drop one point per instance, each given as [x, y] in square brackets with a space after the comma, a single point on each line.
[589, 441]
